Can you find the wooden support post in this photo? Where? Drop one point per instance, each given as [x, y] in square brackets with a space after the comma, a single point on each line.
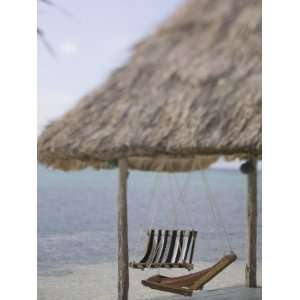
[123, 272]
[251, 225]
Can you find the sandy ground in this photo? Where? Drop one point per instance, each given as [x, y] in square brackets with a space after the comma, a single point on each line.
[99, 282]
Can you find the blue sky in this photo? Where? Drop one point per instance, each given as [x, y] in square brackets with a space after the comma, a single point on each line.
[88, 45]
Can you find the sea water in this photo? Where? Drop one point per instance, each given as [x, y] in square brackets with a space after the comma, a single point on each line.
[77, 214]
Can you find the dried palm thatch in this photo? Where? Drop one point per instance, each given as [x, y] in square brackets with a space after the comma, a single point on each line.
[193, 88]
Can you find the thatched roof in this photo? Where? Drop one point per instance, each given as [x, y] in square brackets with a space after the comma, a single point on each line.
[191, 88]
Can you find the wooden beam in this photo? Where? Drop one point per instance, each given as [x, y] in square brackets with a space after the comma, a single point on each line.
[123, 272]
[251, 225]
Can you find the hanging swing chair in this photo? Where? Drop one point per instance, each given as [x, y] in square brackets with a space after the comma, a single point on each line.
[174, 248]
[168, 249]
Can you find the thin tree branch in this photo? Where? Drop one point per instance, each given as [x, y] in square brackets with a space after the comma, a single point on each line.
[45, 42]
[59, 8]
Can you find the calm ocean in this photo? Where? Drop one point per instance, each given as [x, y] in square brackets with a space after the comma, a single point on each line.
[77, 213]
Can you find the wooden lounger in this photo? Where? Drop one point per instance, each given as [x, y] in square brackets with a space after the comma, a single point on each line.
[186, 284]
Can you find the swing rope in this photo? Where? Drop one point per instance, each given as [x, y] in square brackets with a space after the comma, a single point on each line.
[152, 203]
[177, 199]
[152, 210]
[217, 215]
[174, 206]
[182, 193]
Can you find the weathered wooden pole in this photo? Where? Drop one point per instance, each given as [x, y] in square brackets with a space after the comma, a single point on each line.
[123, 273]
[251, 223]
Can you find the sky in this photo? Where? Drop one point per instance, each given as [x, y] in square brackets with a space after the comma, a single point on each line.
[90, 39]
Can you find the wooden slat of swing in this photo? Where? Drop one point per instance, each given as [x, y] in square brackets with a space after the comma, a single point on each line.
[180, 250]
[158, 246]
[184, 248]
[186, 284]
[149, 246]
[166, 251]
[188, 246]
[194, 235]
[171, 247]
[164, 246]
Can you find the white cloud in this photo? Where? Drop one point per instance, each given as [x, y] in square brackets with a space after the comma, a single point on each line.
[69, 48]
